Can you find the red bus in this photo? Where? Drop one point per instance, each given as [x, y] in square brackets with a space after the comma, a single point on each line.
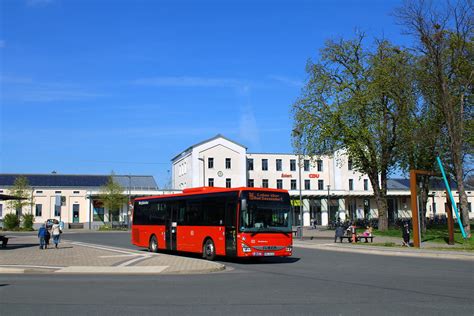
[233, 222]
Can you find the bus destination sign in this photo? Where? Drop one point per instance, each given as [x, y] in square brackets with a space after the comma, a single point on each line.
[259, 196]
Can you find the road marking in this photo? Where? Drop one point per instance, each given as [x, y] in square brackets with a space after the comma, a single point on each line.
[118, 256]
[30, 266]
[104, 248]
[129, 262]
[112, 270]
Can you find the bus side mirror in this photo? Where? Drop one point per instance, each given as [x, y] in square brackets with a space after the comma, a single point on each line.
[243, 205]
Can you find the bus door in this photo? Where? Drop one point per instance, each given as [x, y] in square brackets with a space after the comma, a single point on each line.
[231, 228]
[171, 226]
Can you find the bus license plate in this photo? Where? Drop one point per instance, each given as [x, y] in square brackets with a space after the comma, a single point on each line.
[268, 254]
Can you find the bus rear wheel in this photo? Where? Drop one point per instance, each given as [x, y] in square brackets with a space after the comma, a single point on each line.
[153, 245]
[209, 250]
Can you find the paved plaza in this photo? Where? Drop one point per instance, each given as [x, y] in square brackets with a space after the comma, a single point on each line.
[22, 255]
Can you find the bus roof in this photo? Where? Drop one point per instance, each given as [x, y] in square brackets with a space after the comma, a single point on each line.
[208, 190]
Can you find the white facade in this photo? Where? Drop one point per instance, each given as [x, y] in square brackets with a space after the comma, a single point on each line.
[218, 160]
[323, 179]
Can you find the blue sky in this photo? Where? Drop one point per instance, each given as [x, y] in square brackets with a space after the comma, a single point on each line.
[87, 87]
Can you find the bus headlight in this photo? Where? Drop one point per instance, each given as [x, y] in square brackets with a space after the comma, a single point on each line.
[289, 248]
[246, 248]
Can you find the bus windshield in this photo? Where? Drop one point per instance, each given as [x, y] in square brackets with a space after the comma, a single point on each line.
[265, 212]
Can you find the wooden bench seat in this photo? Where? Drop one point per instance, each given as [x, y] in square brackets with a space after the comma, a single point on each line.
[359, 238]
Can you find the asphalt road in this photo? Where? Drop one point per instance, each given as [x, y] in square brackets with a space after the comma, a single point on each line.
[312, 282]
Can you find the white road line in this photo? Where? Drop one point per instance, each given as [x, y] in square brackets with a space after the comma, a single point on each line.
[129, 262]
[118, 256]
[104, 248]
[112, 270]
[30, 266]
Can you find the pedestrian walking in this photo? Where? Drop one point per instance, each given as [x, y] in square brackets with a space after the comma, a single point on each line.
[56, 232]
[406, 234]
[339, 233]
[47, 237]
[41, 236]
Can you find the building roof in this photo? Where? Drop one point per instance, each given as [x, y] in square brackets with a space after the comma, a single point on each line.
[68, 180]
[205, 141]
[404, 184]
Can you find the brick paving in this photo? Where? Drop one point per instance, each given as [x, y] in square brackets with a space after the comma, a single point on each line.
[23, 251]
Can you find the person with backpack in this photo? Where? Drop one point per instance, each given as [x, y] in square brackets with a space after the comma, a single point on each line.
[41, 235]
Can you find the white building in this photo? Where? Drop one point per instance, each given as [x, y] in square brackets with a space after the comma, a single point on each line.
[74, 199]
[324, 180]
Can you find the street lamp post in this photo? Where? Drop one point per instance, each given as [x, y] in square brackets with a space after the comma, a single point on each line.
[296, 132]
[129, 200]
[203, 170]
[329, 204]
[301, 198]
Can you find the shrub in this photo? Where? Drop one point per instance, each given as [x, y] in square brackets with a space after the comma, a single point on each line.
[28, 220]
[11, 221]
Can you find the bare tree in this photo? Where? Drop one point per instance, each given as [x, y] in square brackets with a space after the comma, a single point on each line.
[444, 37]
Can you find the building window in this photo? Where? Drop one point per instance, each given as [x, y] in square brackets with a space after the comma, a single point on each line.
[366, 185]
[57, 210]
[351, 185]
[306, 165]
[292, 165]
[228, 183]
[210, 182]
[75, 192]
[250, 183]
[227, 163]
[279, 184]
[320, 184]
[57, 192]
[278, 165]
[293, 184]
[39, 210]
[264, 164]
[250, 164]
[307, 185]
[39, 192]
[1, 210]
[320, 165]
[265, 183]
[469, 207]
[349, 164]
[210, 163]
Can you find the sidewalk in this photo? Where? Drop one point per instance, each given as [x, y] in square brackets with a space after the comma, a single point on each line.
[22, 255]
[324, 240]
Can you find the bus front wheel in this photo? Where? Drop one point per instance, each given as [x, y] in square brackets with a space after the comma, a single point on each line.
[153, 245]
[209, 250]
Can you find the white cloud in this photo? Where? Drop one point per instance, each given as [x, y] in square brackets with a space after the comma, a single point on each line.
[186, 81]
[248, 128]
[24, 89]
[286, 80]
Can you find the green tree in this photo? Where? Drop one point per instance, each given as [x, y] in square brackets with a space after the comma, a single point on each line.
[22, 191]
[444, 45]
[354, 100]
[111, 195]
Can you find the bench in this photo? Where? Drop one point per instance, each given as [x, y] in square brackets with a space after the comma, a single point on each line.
[359, 238]
[366, 238]
[4, 241]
